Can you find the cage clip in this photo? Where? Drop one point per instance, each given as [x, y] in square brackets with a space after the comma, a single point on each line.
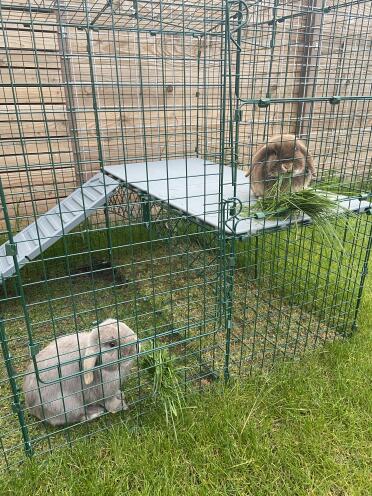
[34, 349]
[259, 215]
[264, 102]
[335, 100]
[238, 115]
[11, 249]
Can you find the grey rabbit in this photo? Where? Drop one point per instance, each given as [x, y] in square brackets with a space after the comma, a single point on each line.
[90, 392]
[282, 154]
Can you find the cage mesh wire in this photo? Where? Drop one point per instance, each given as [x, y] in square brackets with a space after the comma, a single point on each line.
[88, 85]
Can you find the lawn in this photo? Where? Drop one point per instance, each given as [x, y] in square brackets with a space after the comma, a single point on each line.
[303, 429]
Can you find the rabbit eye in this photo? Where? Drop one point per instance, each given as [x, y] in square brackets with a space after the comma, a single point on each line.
[112, 344]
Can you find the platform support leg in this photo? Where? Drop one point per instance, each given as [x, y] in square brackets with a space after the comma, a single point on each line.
[146, 210]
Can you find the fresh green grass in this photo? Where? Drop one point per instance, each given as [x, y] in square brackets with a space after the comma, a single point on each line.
[347, 184]
[322, 207]
[166, 383]
[303, 429]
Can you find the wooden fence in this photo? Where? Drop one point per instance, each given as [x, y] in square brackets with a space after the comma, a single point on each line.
[70, 102]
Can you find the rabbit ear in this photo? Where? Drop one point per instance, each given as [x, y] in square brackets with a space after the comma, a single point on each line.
[89, 361]
[263, 152]
[261, 156]
[307, 155]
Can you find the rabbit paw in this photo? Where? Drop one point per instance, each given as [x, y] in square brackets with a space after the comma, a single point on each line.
[93, 412]
[116, 403]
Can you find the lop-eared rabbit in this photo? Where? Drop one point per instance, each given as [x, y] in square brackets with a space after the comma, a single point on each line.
[83, 373]
[282, 154]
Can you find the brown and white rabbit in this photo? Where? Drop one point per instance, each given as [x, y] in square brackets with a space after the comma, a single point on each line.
[79, 391]
[282, 154]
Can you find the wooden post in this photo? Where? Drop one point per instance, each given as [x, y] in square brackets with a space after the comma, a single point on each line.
[309, 69]
[65, 49]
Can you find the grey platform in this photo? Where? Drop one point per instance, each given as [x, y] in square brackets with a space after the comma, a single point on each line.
[61, 219]
[191, 186]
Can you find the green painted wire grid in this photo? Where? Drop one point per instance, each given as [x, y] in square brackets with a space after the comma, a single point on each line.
[86, 86]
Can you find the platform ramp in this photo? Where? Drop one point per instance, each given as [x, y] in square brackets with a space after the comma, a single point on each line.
[60, 220]
[191, 186]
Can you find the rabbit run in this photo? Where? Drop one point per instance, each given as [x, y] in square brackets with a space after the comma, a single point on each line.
[68, 388]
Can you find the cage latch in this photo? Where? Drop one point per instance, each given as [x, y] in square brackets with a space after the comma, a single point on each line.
[232, 262]
[146, 210]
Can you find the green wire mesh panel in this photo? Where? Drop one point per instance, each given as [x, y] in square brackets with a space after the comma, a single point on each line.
[303, 69]
[293, 293]
[86, 86]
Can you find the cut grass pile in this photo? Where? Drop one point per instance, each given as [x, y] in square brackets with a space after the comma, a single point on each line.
[322, 207]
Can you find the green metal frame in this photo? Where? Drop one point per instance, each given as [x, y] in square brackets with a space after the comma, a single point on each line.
[223, 305]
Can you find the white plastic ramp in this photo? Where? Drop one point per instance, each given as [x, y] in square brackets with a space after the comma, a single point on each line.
[60, 220]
